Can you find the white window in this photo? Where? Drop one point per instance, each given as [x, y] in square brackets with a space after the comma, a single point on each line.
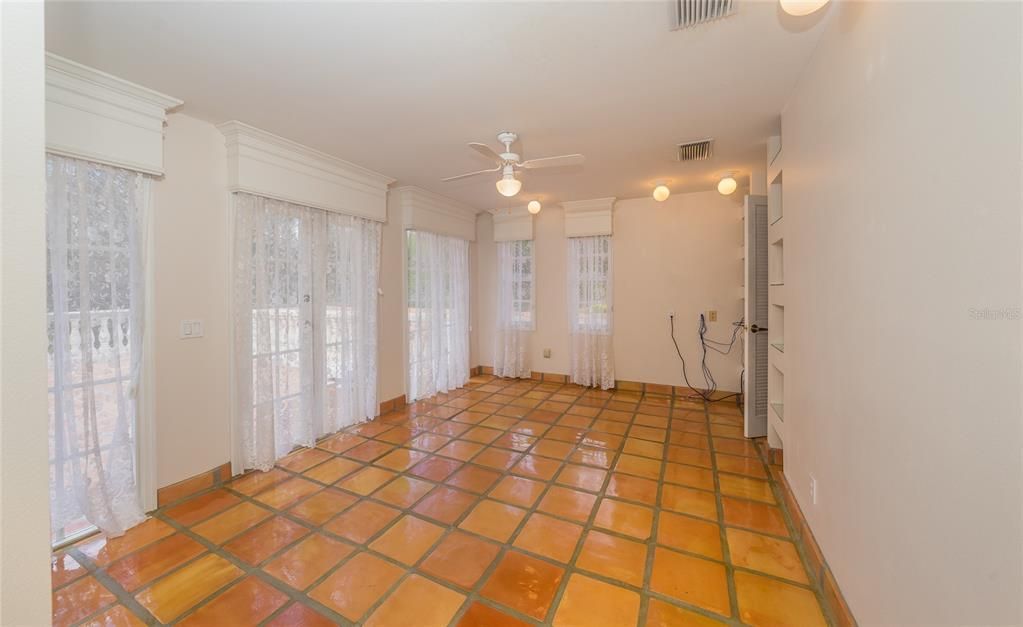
[96, 225]
[515, 272]
[438, 313]
[590, 300]
[515, 308]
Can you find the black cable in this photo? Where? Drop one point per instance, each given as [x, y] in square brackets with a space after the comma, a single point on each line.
[707, 374]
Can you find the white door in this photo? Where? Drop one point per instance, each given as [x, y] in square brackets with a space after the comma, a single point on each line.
[755, 270]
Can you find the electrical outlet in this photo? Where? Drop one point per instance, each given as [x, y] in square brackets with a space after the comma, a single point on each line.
[813, 490]
[712, 315]
[546, 353]
[671, 313]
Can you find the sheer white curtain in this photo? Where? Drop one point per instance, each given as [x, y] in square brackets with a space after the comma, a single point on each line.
[305, 317]
[96, 224]
[590, 310]
[273, 320]
[515, 308]
[438, 313]
[350, 325]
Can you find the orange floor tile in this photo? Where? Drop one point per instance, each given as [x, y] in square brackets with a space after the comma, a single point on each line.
[506, 502]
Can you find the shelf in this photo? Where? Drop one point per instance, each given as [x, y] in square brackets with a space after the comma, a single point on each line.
[777, 295]
[777, 361]
[776, 232]
[779, 410]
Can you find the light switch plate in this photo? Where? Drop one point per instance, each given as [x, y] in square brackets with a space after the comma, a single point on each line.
[191, 329]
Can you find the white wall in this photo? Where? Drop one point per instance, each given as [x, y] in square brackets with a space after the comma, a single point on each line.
[191, 248]
[192, 257]
[24, 477]
[901, 149]
[392, 359]
[680, 255]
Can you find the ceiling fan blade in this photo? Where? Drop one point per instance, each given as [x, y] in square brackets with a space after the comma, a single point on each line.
[468, 174]
[486, 151]
[552, 162]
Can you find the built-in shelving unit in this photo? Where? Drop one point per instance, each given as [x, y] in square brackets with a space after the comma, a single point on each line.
[776, 293]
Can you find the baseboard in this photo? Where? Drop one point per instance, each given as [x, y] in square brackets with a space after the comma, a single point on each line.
[653, 389]
[187, 487]
[833, 598]
[394, 404]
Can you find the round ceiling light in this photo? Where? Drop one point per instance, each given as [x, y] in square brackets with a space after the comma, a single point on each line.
[661, 192]
[726, 185]
[534, 207]
[509, 186]
[800, 8]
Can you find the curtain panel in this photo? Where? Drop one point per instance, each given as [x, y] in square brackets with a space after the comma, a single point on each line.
[305, 316]
[515, 309]
[590, 310]
[96, 225]
[438, 313]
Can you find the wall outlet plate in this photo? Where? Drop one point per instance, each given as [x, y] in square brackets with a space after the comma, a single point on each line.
[546, 353]
[712, 315]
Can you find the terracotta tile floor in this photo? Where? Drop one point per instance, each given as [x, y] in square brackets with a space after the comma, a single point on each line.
[505, 503]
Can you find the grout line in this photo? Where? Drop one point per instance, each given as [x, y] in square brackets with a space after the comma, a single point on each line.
[631, 403]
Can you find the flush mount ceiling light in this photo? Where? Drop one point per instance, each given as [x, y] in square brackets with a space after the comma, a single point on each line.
[509, 185]
[661, 192]
[534, 207]
[726, 185]
[800, 8]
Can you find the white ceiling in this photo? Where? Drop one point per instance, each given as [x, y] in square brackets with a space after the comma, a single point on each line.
[400, 88]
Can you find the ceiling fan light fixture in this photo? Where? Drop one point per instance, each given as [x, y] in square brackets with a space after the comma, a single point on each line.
[534, 207]
[800, 8]
[727, 184]
[661, 192]
[509, 185]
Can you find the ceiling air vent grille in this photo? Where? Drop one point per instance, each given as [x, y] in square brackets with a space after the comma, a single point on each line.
[695, 151]
[690, 13]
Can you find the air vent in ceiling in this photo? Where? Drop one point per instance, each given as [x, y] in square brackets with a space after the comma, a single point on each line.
[695, 151]
[690, 13]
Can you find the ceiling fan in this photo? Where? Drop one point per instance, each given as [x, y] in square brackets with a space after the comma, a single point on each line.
[508, 161]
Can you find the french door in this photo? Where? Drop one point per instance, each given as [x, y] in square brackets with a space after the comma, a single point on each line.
[305, 309]
[95, 218]
[438, 313]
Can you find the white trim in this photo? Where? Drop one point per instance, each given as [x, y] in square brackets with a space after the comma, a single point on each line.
[585, 218]
[237, 462]
[511, 225]
[145, 414]
[95, 116]
[268, 165]
[423, 210]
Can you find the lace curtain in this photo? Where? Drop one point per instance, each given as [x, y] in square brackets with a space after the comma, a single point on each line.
[590, 310]
[350, 324]
[305, 311]
[273, 329]
[95, 237]
[438, 313]
[515, 309]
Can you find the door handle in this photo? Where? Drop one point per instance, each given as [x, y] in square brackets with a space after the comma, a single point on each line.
[756, 329]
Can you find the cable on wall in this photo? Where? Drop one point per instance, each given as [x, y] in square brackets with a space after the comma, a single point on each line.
[715, 345]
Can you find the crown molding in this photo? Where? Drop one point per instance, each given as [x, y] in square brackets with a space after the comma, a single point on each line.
[427, 211]
[261, 163]
[585, 218]
[97, 116]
